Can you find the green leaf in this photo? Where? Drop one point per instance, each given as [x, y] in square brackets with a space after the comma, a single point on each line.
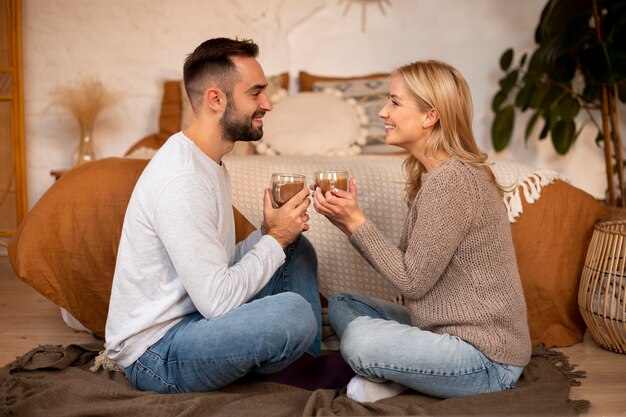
[546, 126]
[498, 99]
[502, 128]
[558, 15]
[540, 95]
[506, 59]
[575, 33]
[522, 61]
[538, 60]
[563, 135]
[562, 68]
[525, 96]
[507, 83]
[531, 125]
[568, 107]
[553, 97]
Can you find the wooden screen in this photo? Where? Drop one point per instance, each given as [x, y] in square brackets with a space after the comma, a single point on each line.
[13, 203]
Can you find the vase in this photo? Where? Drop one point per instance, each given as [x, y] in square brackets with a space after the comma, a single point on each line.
[86, 152]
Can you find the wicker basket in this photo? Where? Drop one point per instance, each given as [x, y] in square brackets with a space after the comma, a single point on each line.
[602, 291]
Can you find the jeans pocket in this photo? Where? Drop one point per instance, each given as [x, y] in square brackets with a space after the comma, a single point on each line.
[146, 379]
[508, 375]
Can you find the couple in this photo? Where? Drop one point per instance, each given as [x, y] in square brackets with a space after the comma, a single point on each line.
[190, 310]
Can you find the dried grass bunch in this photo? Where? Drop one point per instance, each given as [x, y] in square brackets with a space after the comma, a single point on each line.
[85, 101]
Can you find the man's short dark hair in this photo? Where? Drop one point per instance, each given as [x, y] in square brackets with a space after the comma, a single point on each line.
[211, 63]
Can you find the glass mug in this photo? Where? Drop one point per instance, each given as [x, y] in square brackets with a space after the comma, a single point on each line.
[284, 186]
[325, 180]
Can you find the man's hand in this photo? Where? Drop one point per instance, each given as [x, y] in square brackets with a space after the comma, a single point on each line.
[285, 223]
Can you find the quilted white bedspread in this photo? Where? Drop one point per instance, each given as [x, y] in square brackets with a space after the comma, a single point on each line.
[380, 182]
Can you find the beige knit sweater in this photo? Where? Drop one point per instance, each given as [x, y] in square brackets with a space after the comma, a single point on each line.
[455, 265]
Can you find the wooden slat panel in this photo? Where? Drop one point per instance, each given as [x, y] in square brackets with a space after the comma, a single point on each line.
[8, 206]
[6, 84]
[13, 201]
[5, 34]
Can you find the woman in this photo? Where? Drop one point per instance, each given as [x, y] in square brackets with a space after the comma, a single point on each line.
[463, 330]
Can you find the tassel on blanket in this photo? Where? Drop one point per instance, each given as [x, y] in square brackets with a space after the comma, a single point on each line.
[531, 188]
[513, 176]
[104, 362]
[513, 204]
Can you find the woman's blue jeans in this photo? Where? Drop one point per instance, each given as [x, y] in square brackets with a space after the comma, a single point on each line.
[266, 334]
[379, 343]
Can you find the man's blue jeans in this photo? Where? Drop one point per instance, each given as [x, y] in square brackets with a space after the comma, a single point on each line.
[266, 334]
[379, 343]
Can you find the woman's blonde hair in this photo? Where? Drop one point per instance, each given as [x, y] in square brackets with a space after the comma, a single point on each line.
[437, 85]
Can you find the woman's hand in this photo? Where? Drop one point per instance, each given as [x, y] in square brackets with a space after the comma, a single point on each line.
[340, 207]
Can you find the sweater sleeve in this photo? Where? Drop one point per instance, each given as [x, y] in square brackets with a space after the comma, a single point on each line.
[247, 244]
[439, 218]
[192, 222]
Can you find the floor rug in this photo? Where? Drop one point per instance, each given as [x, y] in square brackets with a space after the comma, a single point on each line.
[57, 381]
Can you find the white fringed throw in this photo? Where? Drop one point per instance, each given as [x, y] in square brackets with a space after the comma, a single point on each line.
[515, 177]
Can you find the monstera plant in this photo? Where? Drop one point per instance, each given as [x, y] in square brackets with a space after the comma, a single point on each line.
[576, 74]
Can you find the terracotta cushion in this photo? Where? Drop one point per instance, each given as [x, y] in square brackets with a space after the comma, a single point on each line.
[551, 238]
[67, 246]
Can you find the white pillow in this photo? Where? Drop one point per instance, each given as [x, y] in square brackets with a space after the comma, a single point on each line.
[314, 123]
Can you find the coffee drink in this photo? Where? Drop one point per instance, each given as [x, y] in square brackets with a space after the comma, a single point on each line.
[284, 186]
[326, 180]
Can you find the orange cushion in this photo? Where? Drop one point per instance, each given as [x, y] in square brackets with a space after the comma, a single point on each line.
[67, 246]
[551, 238]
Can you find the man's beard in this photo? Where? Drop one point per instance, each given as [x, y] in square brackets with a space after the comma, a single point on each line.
[238, 127]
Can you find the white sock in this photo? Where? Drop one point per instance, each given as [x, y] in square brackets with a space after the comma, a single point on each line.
[361, 389]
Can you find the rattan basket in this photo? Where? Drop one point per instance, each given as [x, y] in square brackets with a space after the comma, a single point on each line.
[602, 291]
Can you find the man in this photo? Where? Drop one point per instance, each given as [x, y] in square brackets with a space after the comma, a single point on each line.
[189, 309]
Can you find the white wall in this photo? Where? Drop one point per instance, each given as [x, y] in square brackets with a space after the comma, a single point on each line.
[134, 45]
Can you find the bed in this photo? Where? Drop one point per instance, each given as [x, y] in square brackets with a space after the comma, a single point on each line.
[331, 123]
[66, 247]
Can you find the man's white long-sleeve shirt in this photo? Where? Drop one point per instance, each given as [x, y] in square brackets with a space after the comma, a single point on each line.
[177, 253]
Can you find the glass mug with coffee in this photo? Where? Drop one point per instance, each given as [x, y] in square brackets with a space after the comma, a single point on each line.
[326, 180]
[284, 186]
